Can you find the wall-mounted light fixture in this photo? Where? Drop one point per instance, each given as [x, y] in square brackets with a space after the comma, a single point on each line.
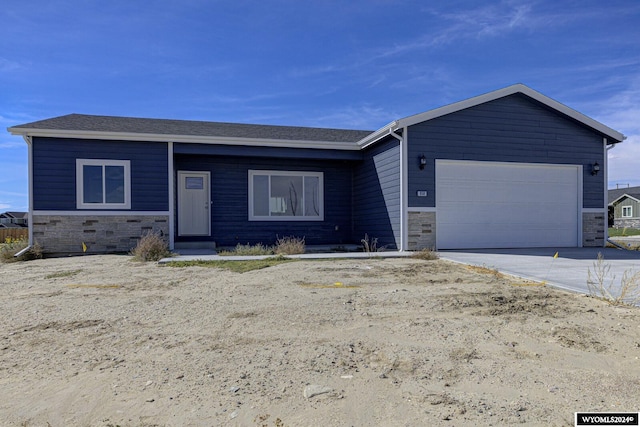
[595, 168]
[423, 162]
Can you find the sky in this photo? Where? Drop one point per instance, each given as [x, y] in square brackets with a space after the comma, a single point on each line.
[356, 64]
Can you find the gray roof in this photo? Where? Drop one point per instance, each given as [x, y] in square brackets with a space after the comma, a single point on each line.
[13, 214]
[128, 128]
[111, 124]
[619, 192]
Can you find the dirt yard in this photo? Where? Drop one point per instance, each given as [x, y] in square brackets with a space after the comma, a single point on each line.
[105, 341]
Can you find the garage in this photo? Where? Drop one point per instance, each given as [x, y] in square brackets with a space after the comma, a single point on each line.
[506, 205]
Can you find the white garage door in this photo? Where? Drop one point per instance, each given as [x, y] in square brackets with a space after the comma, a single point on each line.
[506, 205]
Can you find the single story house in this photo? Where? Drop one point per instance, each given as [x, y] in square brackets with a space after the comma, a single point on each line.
[624, 207]
[510, 168]
[14, 219]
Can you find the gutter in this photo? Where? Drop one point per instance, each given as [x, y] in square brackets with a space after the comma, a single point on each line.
[395, 135]
[607, 147]
[189, 139]
[379, 134]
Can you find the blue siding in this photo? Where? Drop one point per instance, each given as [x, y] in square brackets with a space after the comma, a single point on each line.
[510, 129]
[230, 206]
[54, 171]
[376, 204]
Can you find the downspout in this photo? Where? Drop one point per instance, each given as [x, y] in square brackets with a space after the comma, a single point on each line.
[171, 206]
[29, 142]
[606, 192]
[401, 139]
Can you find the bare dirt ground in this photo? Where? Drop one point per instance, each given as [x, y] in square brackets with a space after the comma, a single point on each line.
[105, 341]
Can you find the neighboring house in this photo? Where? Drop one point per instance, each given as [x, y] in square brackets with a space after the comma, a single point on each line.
[624, 207]
[14, 220]
[510, 168]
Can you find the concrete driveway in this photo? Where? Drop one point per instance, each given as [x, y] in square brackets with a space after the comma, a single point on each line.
[569, 271]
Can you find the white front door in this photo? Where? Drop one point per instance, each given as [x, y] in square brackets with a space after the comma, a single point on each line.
[194, 218]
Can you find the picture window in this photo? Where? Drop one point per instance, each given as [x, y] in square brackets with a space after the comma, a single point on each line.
[103, 184]
[286, 195]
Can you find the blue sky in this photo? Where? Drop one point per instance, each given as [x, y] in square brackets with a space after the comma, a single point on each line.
[355, 65]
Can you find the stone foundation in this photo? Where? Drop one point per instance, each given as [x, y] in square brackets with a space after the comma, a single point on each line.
[627, 223]
[61, 234]
[422, 230]
[593, 226]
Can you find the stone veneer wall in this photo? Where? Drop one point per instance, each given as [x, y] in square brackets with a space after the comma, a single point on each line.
[593, 225]
[61, 234]
[627, 223]
[422, 230]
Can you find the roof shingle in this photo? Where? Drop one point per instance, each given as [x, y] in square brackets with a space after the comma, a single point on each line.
[91, 123]
[618, 192]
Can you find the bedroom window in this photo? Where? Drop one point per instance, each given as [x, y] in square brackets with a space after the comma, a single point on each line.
[103, 184]
[286, 196]
[627, 211]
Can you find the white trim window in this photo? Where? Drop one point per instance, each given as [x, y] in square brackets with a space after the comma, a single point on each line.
[627, 211]
[103, 184]
[286, 196]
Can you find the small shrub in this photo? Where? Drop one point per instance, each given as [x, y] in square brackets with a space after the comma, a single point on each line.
[248, 250]
[289, 245]
[12, 246]
[426, 254]
[602, 285]
[35, 252]
[151, 247]
[371, 244]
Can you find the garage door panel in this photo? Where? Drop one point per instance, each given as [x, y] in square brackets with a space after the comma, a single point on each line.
[500, 237]
[495, 236]
[492, 205]
[471, 190]
[504, 213]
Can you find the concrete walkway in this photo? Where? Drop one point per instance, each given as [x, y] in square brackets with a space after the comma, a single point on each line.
[569, 271]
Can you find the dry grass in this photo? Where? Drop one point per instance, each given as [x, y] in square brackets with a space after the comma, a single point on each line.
[426, 254]
[602, 284]
[486, 270]
[235, 266]
[151, 247]
[289, 245]
[370, 244]
[248, 250]
[60, 274]
[12, 246]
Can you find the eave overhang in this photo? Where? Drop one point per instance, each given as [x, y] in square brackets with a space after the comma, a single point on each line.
[628, 196]
[127, 136]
